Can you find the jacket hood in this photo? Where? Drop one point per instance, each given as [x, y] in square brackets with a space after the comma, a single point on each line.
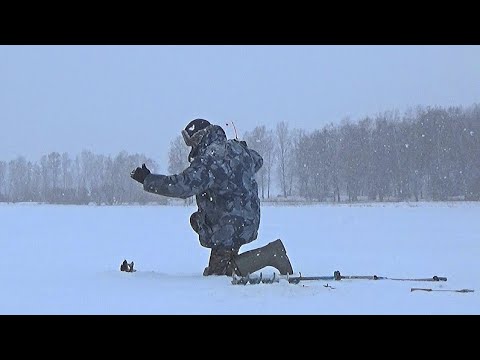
[212, 134]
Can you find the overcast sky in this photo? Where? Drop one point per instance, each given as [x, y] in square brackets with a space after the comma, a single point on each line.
[138, 98]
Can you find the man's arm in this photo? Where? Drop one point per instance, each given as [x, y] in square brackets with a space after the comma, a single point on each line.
[192, 181]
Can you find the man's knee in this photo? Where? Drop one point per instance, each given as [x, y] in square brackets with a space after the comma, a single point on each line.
[221, 262]
[194, 221]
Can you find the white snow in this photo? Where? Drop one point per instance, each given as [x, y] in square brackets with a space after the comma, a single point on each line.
[66, 259]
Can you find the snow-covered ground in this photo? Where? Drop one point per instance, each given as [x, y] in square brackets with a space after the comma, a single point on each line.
[65, 260]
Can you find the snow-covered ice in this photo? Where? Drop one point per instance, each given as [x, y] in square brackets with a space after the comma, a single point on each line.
[66, 259]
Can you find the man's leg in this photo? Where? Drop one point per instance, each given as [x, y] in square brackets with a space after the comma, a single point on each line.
[223, 249]
[272, 254]
[220, 262]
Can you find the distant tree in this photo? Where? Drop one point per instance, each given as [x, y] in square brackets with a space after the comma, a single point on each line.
[66, 163]
[18, 175]
[434, 134]
[109, 185]
[301, 154]
[332, 159]
[178, 159]
[260, 140]
[290, 160]
[269, 159]
[91, 169]
[36, 182]
[54, 162]
[45, 179]
[81, 193]
[283, 146]
[470, 145]
[3, 174]
[178, 155]
[351, 155]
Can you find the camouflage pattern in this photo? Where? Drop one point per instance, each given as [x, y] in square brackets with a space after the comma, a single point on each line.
[221, 176]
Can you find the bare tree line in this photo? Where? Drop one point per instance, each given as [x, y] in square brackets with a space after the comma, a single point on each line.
[428, 153]
[88, 178]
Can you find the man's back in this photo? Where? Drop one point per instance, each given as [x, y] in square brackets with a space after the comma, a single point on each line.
[233, 188]
[231, 201]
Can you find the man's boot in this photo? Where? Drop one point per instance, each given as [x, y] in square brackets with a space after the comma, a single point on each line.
[272, 254]
[220, 262]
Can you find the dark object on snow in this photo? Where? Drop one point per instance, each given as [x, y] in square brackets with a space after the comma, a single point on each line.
[244, 279]
[451, 290]
[338, 276]
[125, 266]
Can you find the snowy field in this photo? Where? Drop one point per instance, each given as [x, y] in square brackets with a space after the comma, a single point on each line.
[65, 260]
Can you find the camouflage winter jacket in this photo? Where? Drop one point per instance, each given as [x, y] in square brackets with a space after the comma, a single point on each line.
[221, 176]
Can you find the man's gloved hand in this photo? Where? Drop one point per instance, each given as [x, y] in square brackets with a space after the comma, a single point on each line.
[140, 173]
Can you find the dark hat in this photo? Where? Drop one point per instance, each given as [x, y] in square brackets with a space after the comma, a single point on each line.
[190, 131]
[196, 125]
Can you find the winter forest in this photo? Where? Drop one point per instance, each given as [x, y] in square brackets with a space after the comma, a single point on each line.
[424, 154]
